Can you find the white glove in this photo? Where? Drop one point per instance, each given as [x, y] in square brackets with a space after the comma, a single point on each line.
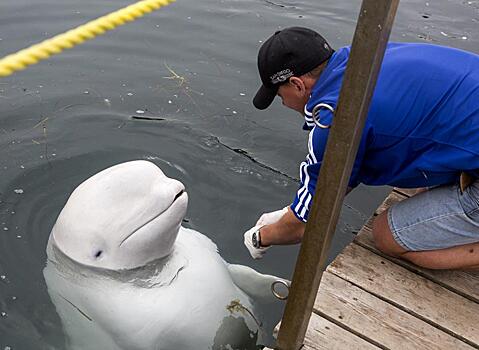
[256, 253]
[271, 218]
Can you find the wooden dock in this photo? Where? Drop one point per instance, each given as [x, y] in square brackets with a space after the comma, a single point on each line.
[367, 300]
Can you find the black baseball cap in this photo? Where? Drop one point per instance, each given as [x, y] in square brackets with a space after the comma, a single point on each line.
[289, 52]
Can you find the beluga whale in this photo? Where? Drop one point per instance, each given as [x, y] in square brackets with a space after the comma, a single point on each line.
[124, 274]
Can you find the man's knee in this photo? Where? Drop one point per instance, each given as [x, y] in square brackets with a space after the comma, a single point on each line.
[383, 238]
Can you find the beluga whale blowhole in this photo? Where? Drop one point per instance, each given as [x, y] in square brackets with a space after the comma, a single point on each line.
[124, 274]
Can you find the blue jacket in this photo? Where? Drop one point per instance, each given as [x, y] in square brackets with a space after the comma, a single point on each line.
[422, 128]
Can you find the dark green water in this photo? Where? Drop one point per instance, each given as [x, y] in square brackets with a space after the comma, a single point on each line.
[191, 65]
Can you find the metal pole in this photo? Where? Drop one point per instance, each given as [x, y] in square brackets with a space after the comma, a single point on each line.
[369, 42]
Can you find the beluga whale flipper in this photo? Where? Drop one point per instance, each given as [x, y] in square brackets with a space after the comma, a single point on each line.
[124, 274]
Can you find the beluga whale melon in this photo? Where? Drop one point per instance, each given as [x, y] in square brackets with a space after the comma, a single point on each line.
[124, 274]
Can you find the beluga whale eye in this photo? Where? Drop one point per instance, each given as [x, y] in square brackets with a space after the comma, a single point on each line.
[98, 254]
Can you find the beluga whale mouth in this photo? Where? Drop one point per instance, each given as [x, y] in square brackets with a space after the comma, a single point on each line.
[178, 199]
[122, 218]
[178, 195]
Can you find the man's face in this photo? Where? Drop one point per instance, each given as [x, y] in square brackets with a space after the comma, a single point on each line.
[294, 95]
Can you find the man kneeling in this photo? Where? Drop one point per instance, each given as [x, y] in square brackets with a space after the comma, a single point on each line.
[422, 130]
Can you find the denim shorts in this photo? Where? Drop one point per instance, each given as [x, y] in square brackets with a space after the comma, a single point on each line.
[439, 218]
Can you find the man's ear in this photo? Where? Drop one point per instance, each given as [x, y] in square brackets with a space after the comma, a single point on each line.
[297, 83]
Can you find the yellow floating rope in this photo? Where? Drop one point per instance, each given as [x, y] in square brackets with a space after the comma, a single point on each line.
[90, 30]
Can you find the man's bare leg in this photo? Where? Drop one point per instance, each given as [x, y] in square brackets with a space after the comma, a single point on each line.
[459, 257]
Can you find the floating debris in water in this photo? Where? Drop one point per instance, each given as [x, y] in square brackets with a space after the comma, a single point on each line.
[453, 36]
[140, 111]
[425, 37]
[18, 191]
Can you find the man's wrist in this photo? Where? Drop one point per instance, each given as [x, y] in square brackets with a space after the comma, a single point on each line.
[262, 240]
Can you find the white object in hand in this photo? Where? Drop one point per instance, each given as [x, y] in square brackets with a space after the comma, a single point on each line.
[256, 253]
[271, 218]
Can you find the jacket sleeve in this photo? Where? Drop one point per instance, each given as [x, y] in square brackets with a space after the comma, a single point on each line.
[309, 170]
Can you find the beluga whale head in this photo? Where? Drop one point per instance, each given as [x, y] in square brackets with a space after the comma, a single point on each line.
[121, 218]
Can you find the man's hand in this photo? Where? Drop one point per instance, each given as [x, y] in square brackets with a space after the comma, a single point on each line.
[279, 227]
[249, 242]
[265, 219]
[287, 230]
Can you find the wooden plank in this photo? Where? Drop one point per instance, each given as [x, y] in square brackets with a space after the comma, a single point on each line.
[377, 320]
[325, 335]
[322, 334]
[412, 293]
[465, 283]
[393, 197]
[409, 192]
